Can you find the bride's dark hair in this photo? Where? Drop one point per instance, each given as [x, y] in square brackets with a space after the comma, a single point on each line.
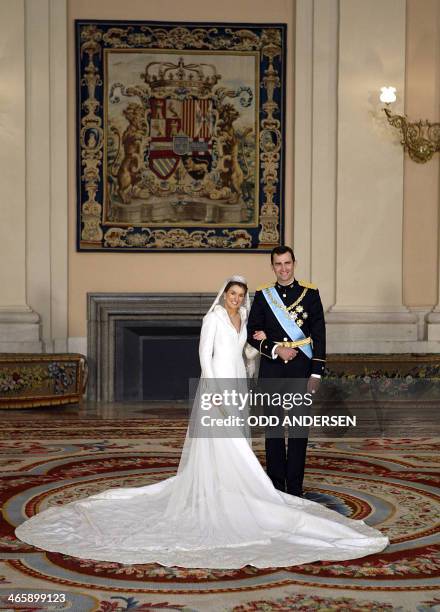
[232, 283]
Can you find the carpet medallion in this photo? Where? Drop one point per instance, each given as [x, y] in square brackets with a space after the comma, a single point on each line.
[389, 483]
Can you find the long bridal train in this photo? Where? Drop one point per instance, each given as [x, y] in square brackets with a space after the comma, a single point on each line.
[220, 510]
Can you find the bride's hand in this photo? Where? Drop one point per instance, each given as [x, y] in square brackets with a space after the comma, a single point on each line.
[259, 335]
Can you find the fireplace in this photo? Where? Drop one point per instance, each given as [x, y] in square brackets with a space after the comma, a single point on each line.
[143, 346]
[154, 360]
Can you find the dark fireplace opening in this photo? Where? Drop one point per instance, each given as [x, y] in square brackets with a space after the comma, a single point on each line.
[154, 360]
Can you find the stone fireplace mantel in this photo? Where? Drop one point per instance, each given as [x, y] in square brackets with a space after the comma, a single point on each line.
[105, 310]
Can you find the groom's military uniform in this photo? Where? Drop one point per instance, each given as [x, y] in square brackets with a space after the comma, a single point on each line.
[273, 304]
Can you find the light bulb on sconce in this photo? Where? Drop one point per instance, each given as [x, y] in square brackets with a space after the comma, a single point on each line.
[388, 95]
[421, 139]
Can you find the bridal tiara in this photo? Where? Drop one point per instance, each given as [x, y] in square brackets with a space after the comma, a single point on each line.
[237, 278]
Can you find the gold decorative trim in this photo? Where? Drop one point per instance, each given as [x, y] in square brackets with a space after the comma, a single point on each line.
[306, 284]
[287, 308]
[294, 343]
[261, 352]
[266, 286]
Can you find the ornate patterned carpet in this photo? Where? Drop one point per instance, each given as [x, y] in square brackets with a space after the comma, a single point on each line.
[389, 482]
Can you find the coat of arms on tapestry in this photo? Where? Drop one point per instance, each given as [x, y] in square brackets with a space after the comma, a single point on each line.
[180, 136]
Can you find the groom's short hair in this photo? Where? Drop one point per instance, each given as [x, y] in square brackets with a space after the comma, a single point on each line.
[281, 250]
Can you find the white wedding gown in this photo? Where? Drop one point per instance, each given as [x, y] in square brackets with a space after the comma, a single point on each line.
[220, 511]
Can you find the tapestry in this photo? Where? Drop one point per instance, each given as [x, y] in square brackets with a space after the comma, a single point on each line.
[180, 136]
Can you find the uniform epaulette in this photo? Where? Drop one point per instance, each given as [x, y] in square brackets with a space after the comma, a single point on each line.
[266, 286]
[306, 284]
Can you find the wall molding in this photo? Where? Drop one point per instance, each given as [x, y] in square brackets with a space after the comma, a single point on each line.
[46, 168]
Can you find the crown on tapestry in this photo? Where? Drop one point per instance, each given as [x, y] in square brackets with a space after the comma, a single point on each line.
[195, 78]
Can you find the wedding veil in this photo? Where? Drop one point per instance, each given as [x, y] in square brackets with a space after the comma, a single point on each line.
[219, 300]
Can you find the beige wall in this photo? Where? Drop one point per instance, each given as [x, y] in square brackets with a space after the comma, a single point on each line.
[369, 169]
[421, 184]
[145, 272]
[195, 272]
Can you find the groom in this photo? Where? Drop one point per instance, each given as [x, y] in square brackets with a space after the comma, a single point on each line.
[291, 315]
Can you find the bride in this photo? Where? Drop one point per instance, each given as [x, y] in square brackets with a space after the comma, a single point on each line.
[221, 509]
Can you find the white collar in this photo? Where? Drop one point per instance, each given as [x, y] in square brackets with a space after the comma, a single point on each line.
[221, 311]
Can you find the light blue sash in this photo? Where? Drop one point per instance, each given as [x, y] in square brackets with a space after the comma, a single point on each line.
[289, 325]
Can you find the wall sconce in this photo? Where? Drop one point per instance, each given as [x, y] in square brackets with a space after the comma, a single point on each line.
[421, 139]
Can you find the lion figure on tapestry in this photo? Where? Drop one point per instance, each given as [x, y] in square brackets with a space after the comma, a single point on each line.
[126, 174]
